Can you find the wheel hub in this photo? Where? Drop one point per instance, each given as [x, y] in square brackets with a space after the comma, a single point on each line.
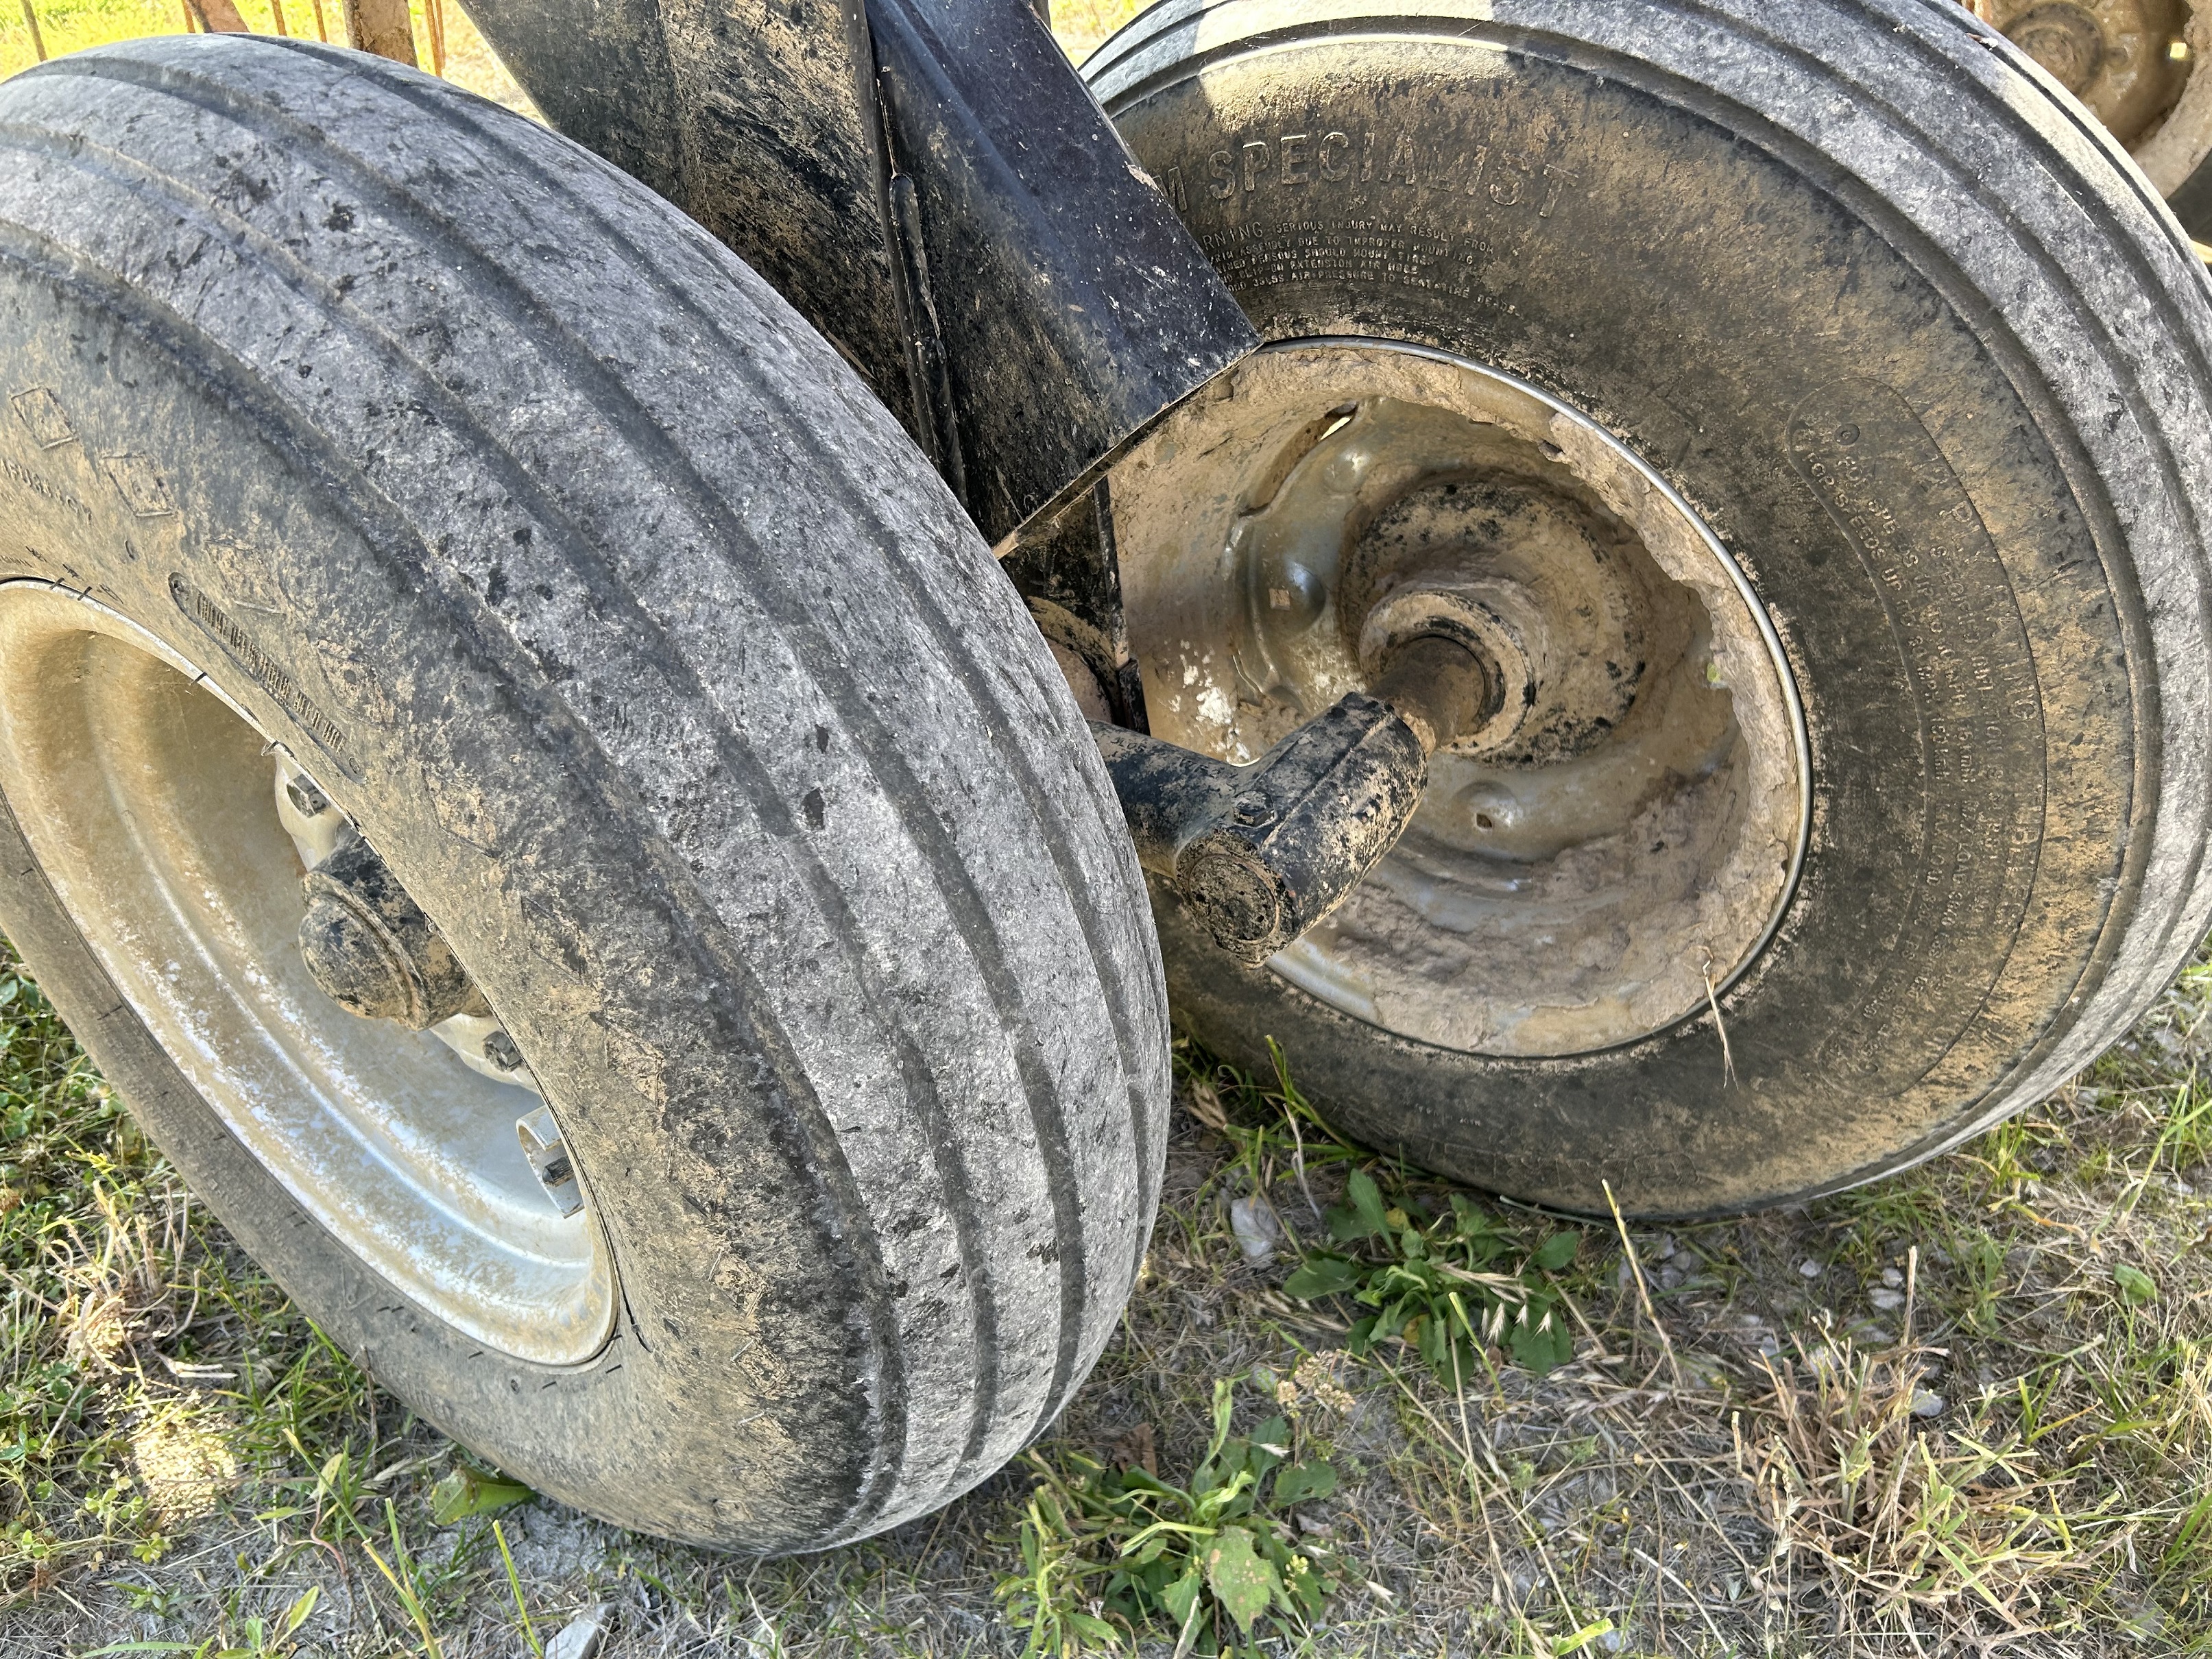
[1608, 849]
[2126, 59]
[147, 795]
[1515, 567]
[372, 950]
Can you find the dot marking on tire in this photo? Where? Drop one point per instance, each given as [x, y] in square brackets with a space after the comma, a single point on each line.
[264, 669]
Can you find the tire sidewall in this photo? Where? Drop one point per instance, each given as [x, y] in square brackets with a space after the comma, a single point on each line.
[322, 616]
[1725, 303]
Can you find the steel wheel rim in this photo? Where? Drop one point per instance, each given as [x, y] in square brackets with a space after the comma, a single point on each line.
[1182, 516]
[147, 796]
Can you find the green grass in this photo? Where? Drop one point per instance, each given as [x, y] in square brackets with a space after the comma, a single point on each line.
[2014, 1436]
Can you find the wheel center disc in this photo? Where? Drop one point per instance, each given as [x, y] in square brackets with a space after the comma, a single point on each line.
[147, 798]
[1606, 865]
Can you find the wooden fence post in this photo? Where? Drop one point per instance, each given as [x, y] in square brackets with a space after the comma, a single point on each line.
[382, 27]
[216, 16]
[37, 41]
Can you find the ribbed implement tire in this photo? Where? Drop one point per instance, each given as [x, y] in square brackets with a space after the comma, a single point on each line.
[1732, 232]
[676, 687]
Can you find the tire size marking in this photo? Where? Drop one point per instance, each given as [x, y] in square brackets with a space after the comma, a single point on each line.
[1347, 250]
[262, 669]
[46, 490]
[1964, 645]
[136, 479]
[1338, 155]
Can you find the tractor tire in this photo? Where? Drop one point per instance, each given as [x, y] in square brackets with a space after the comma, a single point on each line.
[1892, 329]
[375, 449]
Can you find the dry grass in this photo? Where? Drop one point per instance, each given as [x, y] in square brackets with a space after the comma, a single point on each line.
[67, 26]
[2008, 1449]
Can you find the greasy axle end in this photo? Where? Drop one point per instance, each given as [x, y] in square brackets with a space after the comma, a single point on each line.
[371, 950]
[1261, 853]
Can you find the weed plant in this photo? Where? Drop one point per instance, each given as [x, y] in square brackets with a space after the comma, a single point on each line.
[1421, 1271]
[1108, 1554]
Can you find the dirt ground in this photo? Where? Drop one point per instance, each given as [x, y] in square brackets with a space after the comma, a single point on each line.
[1791, 1469]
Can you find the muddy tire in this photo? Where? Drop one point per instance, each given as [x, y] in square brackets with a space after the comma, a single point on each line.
[360, 429]
[1929, 365]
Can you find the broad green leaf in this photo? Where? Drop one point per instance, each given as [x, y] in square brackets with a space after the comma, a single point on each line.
[1367, 1202]
[1270, 1444]
[297, 1614]
[1306, 1586]
[1558, 1250]
[1181, 1596]
[1142, 1480]
[1048, 1501]
[468, 1491]
[1222, 1407]
[1243, 1582]
[1581, 1638]
[1214, 1495]
[2137, 1287]
[1322, 1275]
[1295, 1482]
[1539, 1344]
[1233, 1458]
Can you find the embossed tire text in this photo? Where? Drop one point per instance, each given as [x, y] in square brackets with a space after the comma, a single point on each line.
[1933, 367]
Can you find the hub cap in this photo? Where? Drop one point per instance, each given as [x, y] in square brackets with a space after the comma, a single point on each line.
[1595, 867]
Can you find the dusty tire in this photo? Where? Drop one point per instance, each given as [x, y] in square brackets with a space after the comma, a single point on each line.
[660, 668]
[1709, 228]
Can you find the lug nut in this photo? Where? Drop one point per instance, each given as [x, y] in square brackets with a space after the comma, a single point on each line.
[548, 1152]
[499, 1048]
[307, 801]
